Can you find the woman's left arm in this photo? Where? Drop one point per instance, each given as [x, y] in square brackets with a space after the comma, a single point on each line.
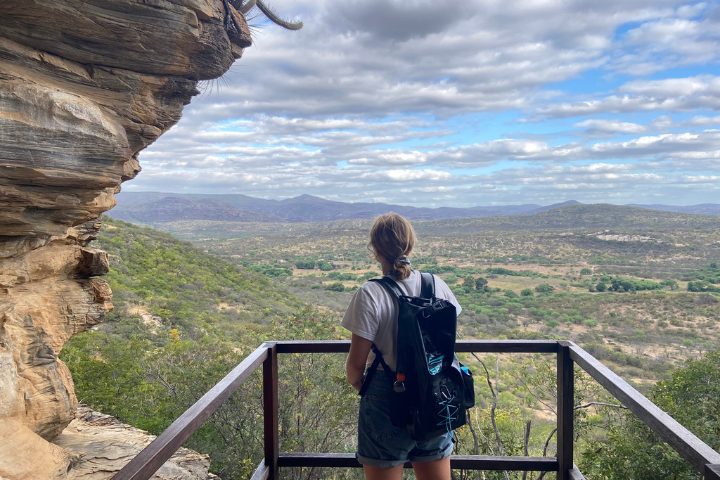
[355, 364]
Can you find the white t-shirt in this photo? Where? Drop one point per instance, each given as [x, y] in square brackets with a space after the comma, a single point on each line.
[372, 313]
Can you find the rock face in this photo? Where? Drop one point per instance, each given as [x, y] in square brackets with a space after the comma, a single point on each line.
[84, 86]
[100, 445]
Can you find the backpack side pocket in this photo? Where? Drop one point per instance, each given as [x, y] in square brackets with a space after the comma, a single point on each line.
[469, 387]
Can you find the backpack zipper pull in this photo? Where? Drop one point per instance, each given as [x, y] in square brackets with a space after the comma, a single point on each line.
[399, 385]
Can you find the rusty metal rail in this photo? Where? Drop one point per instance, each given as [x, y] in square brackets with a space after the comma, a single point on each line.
[703, 458]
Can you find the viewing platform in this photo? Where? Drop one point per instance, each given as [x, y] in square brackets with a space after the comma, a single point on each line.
[702, 457]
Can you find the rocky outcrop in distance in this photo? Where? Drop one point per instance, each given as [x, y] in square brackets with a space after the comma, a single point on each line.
[85, 85]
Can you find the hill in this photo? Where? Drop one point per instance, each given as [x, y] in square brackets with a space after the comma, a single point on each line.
[578, 216]
[184, 287]
[153, 208]
[182, 320]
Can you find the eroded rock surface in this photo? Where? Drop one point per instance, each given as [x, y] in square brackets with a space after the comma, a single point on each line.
[100, 446]
[84, 86]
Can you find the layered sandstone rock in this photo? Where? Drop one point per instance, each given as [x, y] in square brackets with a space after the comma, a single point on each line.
[84, 86]
[100, 445]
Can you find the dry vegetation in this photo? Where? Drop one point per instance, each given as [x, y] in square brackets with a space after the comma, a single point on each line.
[542, 275]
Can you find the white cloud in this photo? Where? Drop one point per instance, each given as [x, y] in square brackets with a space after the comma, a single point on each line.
[684, 38]
[426, 97]
[703, 120]
[673, 94]
[597, 126]
[404, 175]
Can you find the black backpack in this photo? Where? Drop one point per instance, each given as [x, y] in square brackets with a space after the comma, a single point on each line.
[431, 389]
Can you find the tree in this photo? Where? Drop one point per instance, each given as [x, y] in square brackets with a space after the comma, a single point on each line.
[632, 450]
[481, 284]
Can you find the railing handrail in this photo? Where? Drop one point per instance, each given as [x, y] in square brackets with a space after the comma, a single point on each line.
[683, 441]
[478, 346]
[703, 458]
[159, 451]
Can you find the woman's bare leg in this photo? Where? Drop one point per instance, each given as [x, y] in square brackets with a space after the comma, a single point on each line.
[377, 473]
[435, 470]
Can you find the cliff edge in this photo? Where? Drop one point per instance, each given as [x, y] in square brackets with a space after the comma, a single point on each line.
[84, 86]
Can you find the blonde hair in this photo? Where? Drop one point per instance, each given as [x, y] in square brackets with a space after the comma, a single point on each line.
[392, 238]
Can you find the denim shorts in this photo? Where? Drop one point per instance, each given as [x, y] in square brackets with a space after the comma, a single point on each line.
[380, 443]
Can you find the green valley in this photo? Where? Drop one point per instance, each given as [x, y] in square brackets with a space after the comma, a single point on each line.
[637, 291]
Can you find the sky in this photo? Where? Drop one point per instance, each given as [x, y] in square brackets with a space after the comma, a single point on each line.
[460, 103]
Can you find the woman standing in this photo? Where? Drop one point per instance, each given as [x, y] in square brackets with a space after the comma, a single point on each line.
[372, 319]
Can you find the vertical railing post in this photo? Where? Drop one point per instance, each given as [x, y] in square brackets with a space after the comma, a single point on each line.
[565, 411]
[270, 411]
[712, 472]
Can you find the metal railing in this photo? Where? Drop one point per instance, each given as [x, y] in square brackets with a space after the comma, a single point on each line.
[704, 459]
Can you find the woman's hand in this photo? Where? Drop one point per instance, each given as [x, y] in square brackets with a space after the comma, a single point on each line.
[356, 360]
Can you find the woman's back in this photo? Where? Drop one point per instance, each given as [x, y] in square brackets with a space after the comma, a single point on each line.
[372, 313]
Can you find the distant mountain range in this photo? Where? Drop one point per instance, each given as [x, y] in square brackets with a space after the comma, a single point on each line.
[155, 207]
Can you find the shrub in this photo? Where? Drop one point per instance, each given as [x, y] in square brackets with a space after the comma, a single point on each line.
[544, 288]
[481, 284]
[701, 286]
[335, 287]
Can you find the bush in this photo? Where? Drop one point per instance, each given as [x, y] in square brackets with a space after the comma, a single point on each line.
[325, 266]
[341, 276]
[544, 288]
[526, 292]
[620, 284]
[702, 286]
[335, 287]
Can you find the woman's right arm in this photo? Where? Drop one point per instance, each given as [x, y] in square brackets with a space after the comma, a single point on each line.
[356, 360]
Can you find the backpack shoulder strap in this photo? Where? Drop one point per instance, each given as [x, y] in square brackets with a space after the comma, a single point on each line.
[391, 285]
[370, 372]
[427, 282]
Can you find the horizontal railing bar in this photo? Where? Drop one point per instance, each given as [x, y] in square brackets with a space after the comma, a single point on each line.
[515, 463]
[313, 346]
[307, 459]
[712, 472]
[152, 457]
[469, 462]
[507, 346]
[262, 472]
[694, 450]
[487, 346]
